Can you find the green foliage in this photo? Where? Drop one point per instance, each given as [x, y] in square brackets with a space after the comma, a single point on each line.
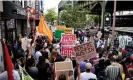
[51, 15]
[74, 17]
[92, 19]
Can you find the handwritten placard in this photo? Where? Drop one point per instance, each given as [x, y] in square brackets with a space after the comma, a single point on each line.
[85, 51]
[64, 68]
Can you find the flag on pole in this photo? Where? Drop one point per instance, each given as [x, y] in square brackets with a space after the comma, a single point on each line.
[9, 64]
[44, 29]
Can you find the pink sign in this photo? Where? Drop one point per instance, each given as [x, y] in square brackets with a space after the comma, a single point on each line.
[67, 43]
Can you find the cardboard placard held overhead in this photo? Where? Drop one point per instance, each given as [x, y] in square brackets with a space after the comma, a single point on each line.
[99, 34]
[64, 68]
[85, 51]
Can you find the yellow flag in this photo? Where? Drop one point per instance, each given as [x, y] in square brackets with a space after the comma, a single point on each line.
[44, 29]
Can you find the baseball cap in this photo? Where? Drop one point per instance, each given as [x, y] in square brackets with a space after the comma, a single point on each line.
[88, 65]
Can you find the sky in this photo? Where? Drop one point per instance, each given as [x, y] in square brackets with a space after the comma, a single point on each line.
[51, 4]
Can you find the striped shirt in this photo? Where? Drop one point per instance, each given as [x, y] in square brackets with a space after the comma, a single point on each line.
[112, 72]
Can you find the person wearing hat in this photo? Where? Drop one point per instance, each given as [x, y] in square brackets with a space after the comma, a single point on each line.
[88, 75]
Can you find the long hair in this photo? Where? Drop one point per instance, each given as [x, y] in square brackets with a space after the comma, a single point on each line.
[54, 54]
[42, 62]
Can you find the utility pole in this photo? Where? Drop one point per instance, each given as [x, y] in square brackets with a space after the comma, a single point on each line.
[28, 25]
[114, 16]
[103, 5]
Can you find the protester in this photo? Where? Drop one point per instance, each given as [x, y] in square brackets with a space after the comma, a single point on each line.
[42, 69]
[113, 72]
[38, 53]
[88, 75]
[31, 69]
[109, 64]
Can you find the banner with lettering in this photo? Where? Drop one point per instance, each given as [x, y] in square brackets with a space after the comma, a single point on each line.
[68, 42]
[85, 51]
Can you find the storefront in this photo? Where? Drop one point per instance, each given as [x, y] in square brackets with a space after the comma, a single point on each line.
[34, 20]
[14, 18]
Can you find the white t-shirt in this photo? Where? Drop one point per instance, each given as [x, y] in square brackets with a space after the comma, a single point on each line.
[37, 55]
[87, 76]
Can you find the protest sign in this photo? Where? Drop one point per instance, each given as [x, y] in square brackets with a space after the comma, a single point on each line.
[99, 34]
[68, 31]
[67, 51]
[65, 29]
[64, 68]
[58, 33]
[68, 41]
[85, 51]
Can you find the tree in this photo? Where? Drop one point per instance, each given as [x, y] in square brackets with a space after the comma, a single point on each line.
[51, 15]
[92, 19]
[72, 17]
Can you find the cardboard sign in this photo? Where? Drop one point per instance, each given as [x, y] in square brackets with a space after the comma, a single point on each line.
[68, 41]
[65, 68]
[85, 51]
[99, 34]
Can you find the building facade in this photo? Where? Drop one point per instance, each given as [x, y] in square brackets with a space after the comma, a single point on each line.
[14, 18]
[18, 16]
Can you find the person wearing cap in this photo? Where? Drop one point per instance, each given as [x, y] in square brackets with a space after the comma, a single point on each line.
[88, 75]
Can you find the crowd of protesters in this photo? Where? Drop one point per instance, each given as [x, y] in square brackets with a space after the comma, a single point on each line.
[38, 57]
